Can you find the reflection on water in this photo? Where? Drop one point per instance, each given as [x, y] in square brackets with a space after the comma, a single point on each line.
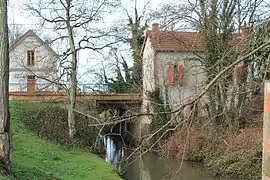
[151, 167]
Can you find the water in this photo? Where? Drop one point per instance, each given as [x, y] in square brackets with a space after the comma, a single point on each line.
[152, 167]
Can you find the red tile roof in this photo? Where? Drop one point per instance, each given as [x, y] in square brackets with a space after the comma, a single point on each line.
[169, 41]
[175, 41]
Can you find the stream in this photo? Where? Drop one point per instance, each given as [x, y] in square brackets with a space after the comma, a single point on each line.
[152, 167]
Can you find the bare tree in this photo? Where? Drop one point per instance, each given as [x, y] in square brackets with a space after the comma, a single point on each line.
[15, 31]
[72, 21]
[4, 78]
[216, 21]
[135, 22]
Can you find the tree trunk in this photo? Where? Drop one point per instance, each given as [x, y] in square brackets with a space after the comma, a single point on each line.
[73, 81]
[137, 65]
[4, 79]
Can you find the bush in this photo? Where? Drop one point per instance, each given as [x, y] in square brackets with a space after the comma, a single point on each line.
[237, 153]
[49, 120]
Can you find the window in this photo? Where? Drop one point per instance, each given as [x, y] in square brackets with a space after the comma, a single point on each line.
[31, 57]
[175, 74]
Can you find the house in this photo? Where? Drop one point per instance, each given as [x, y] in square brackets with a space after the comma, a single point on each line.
[171, 65]
[33, 65]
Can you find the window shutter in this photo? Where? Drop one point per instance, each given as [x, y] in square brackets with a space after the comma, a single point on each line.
[170, 74]
[35, 56]
[239, 72]
[180, 73]
[28, 58]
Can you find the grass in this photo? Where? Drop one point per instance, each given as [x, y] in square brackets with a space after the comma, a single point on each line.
[36, 159]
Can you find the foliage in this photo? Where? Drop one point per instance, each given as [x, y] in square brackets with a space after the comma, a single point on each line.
[34, 158]
[120, 84]
[48, 120]
[140, 40]
[136, 28]
[158, 105]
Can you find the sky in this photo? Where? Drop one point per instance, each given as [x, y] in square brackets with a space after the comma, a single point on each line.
[88, 62]
[18, 15]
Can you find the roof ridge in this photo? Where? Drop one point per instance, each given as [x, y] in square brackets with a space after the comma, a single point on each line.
[23, 37]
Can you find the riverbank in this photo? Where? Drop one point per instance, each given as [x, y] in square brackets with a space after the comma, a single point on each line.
[236, 153]
[35, 158]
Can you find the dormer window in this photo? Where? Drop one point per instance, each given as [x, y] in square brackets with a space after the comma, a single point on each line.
[31, 57]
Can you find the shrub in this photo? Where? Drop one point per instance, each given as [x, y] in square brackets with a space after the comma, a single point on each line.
[49, 120]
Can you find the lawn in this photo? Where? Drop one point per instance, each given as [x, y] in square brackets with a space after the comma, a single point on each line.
[37, 159]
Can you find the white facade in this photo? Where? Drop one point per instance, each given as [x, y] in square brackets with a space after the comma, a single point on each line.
[155, 76]
[148, 78]
[193, 76]
[44, 68]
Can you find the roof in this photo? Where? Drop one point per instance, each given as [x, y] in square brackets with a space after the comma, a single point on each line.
[27, 34]
[175, 41]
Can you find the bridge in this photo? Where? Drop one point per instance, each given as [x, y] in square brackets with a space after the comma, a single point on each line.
[94, 104]
[100, 98]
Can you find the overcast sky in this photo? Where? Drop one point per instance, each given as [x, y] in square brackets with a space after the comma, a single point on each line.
[17, 15]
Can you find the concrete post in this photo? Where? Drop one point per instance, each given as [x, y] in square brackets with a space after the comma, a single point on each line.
[266, 133]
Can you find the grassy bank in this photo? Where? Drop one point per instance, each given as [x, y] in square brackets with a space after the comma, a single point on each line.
[237, 153]
[37, 159]
[49, 121]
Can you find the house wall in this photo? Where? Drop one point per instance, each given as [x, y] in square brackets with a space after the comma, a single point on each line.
[148, 85]
[46, 66]
[193, 78]
[148, 67]
[155, 75]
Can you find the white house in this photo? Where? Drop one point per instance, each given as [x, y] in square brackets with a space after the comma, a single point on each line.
[171, 64]
[33, 65]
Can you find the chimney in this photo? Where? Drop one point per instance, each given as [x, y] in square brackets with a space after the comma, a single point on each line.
[244, 31]
[155, 32]
[155, 27]
[48, 42]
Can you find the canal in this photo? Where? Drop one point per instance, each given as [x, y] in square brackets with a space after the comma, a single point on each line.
[151, 167]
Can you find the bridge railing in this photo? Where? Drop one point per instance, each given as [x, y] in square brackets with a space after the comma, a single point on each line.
[39, 87]
[101, 88]
[81, 88]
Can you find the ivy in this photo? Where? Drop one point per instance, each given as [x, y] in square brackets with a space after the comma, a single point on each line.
[140, 40]
[159, 120]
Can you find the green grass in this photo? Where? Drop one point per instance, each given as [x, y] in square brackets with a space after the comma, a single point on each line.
[37, 159]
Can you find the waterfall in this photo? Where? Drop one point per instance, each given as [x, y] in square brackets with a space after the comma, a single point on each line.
[114, 151]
